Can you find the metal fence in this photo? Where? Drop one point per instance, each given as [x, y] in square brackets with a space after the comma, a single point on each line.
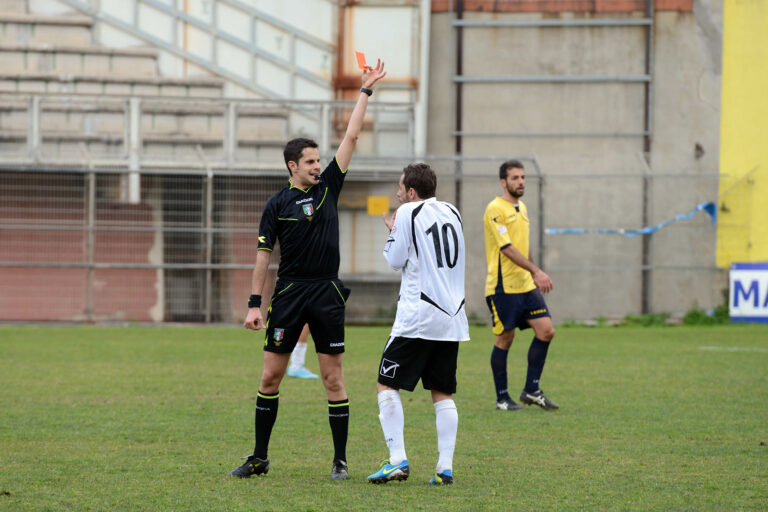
[73, 248]
[184, 132]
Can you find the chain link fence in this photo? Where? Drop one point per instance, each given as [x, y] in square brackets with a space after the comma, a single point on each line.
[72, 248]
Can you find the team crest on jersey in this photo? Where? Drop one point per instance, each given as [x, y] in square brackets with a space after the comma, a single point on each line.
[309, 210]
[278, 335]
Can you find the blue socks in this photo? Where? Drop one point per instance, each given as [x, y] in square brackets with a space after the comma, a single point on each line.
[499, 369]
[537, 355]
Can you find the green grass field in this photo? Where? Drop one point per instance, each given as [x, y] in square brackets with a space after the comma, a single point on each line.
[106, 418]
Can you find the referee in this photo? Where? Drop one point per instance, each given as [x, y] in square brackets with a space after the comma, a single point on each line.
[303, 218]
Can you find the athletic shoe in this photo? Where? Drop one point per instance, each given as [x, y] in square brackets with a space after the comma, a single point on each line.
[252, 466]
[389, 472]
[508, 405]
[301, 373]
[340, 470]
[538, 398]
[444, 478]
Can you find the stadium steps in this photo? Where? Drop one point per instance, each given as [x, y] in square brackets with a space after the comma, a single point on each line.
[161, 122]
[52, 30]
[54, 55]
[111, 85]
[68, 145]
[13, 6]
[20, 58]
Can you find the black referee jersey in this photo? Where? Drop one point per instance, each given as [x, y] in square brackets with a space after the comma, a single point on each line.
[306, 223]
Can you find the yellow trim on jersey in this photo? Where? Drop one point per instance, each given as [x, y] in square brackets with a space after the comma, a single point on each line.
[323, 199]
[339, 291]
[281, 291]
[298, 188]
[498, 327]
[504, 226]
[343, 171]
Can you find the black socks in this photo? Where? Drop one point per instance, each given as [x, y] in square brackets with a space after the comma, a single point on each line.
[338, 417]
[266, 414]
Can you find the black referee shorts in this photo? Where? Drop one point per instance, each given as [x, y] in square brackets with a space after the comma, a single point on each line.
[406, 360]
[317, 303]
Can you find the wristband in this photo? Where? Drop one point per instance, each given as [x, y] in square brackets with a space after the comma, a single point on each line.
[254, 301]
[366, 91]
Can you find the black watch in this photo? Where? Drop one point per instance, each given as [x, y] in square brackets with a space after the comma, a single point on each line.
[366, 91]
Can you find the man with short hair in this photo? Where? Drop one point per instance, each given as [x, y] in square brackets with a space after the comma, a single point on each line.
[513, 289]
[303, 218]
[426, 243]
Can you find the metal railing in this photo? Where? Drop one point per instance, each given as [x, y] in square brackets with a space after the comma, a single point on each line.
[135, 132]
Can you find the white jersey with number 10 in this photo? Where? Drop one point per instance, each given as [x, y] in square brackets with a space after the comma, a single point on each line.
[427, 244]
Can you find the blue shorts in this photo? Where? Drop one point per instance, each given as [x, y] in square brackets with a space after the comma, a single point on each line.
[510, 310]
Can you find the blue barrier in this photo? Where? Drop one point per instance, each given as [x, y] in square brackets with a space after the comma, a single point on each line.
[710, 208]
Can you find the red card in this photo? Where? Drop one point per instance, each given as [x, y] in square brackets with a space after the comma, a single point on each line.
[361, 60]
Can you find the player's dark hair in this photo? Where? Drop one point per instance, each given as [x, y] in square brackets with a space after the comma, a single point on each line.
[294, 148]
[421, 178]
[506, 166]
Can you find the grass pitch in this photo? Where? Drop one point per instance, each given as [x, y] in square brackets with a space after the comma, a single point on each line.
[103, 418]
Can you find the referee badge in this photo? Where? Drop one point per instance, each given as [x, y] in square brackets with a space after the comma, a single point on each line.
[308, 210]
[278, 334]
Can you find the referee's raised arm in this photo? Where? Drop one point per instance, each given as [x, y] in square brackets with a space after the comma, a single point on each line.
[347, 146]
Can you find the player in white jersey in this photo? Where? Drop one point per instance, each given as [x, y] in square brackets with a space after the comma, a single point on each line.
[426, 242]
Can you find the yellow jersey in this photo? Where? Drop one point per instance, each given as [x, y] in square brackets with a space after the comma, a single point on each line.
[505, 225]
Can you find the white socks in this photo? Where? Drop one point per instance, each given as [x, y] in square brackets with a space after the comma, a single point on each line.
[447, 423]
[298, 356]
[392, 422]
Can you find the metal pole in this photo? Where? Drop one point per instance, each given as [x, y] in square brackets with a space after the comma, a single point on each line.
[459, 99]
[646, 259]
[33, 133]
[540, 213]
[375, 131]
[230, 144]
[325, 123]
[647, 140]
[208, 245]
[420, 117]
[90, 243]
[134, 140]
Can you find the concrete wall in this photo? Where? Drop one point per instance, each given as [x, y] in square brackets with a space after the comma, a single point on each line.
[593, 182]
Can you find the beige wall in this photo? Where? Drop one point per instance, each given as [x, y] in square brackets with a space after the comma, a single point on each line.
[594, 182]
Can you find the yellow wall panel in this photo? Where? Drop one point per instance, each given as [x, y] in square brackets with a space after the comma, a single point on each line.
[743, 216]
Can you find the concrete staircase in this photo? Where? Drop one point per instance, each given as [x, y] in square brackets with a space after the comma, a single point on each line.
[84, 91]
